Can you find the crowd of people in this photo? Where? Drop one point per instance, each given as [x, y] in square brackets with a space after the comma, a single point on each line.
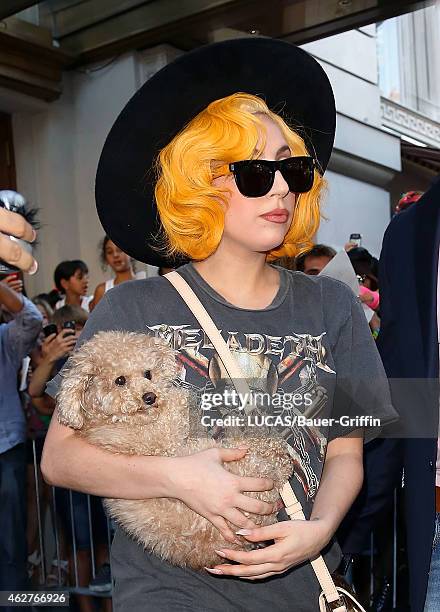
[37, 337]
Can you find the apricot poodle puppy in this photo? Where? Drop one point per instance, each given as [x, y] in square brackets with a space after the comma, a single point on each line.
[118, 393]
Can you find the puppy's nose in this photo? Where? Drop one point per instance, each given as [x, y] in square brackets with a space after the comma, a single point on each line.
[149, 398]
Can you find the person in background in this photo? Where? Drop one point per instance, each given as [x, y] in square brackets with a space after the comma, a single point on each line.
[55, 350]
[313, 261]
[72, 281]
[366, 268]
[121, 264]
[42, 302]
[409, 345]
[17, 338]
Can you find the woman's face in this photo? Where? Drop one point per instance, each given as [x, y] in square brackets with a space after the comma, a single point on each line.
[78, 283]
[116, 259]
[260, 224]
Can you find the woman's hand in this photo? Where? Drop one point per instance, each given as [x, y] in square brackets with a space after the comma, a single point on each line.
[57, 346]
[13, 283]
[14, 224]
[202, 483]
[295, 541]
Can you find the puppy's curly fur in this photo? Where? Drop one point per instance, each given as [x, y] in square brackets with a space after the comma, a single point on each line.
[118, 394]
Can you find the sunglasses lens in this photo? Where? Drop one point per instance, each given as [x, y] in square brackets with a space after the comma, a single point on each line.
[253, 180]
[298, 173]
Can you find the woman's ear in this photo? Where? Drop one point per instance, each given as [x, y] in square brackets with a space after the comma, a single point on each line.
[72, 396]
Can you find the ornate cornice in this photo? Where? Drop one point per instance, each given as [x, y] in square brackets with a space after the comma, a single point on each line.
[410, 123]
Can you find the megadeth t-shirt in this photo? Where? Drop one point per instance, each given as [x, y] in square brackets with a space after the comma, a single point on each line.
[311, 353]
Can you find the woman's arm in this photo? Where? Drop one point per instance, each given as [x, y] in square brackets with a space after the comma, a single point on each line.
[199, 480]
[71, 462]
[341, 481]
[297, 541]
[97, 296]
[10, 299]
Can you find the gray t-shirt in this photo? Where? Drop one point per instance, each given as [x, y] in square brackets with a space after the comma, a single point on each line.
[313, 342]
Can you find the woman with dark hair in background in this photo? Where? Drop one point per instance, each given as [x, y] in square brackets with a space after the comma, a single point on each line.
[122, 265]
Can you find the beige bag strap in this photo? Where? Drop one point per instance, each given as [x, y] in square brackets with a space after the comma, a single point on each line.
[199, 311]
[295, 512]
[293, 506]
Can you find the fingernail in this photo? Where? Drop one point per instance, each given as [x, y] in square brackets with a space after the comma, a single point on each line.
[33, 268]
[220, 553]
[213, 571]
[34, 235]
[243, 532]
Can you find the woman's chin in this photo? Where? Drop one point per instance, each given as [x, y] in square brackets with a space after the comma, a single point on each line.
[265, 246]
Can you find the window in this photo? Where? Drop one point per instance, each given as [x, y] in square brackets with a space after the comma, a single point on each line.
[408, 49]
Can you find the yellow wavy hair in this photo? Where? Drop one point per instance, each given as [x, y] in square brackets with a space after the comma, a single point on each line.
[190, 206]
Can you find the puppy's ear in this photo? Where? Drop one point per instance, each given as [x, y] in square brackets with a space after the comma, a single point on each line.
[72, 396]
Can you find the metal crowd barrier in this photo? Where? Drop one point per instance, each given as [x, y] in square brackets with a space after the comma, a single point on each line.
[49, 540]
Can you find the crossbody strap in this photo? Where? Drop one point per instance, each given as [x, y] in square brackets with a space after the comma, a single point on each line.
[293, 506]
[200, 313]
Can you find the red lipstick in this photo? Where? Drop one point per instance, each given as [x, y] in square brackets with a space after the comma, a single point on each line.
[277, 215]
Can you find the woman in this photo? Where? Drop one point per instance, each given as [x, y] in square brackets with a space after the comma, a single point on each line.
[120, 263]
[230, 219]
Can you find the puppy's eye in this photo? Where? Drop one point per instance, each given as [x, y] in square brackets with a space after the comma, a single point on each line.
[147, 374]
[120, 381]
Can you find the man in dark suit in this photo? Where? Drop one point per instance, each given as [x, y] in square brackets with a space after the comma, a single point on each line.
[408, 344]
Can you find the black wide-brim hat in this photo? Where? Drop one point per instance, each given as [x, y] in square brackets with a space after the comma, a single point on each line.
[288, 79]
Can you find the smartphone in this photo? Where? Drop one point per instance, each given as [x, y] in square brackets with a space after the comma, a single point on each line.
[356, 239]
[69, 325]
[50, 329]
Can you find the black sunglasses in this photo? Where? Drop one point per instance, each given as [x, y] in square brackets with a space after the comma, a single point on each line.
[255, 177]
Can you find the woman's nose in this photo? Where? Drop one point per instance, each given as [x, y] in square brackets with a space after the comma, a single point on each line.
[149, 398]
[279, 187]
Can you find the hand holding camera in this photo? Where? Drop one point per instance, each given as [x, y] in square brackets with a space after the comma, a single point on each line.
[13, 281]
[354, 241]
[58, 345]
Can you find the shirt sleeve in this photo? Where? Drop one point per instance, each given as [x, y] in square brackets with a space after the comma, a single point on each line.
[22, 332]
[101, 319]
[362, 397]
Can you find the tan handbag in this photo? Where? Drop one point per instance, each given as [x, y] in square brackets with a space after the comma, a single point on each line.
[332, 598]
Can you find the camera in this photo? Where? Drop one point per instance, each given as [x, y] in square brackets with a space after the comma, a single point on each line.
[356, 239]
[50, 329]
[69, 325]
